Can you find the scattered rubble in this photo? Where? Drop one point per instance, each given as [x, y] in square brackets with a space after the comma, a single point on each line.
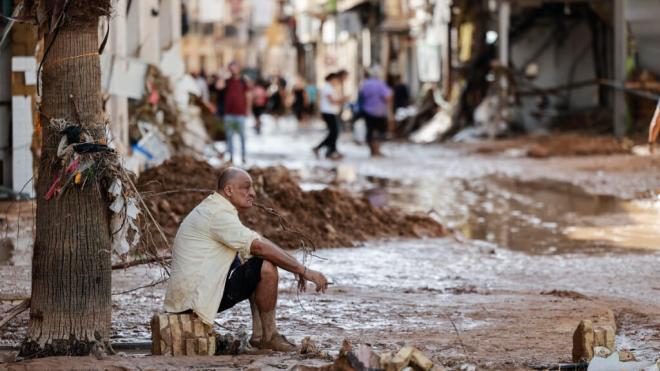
[595, 344]
[587, 337]
[330, 217]
[365, 358]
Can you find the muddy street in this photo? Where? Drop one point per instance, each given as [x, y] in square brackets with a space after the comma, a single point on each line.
[533, 250]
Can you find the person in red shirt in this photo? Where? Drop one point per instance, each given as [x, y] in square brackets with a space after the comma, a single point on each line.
[237, 105]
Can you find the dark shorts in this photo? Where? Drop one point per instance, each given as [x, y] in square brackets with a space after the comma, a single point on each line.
[258, 111]
[241, 282]
[376, 127]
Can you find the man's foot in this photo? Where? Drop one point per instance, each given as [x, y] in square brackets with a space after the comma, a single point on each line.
[279, 344]
[316, 152]
[255, 342]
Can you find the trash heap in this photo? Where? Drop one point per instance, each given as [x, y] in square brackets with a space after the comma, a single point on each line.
[330, 217]
[163, 123]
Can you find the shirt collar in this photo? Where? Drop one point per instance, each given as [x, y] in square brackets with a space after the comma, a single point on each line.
[224, 203]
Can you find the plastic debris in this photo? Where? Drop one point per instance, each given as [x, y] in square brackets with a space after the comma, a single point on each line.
[614, 363]
[125, 212]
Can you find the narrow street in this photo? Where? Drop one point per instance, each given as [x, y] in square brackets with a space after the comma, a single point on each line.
[531, 254]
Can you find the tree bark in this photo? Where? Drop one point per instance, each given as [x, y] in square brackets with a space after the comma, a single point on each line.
[71, 305]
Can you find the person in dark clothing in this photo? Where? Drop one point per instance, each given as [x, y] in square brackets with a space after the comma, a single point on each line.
[330, 105]
[401, 95]
[299, 100]
[277, 99]
[259, 102]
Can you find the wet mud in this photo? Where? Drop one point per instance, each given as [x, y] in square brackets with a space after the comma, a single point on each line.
[539, 216]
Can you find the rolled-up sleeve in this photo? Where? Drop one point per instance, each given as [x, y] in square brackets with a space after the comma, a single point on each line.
[227, 229]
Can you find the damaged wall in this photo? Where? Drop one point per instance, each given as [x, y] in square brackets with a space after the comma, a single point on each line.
[550, 54]
[642, 17]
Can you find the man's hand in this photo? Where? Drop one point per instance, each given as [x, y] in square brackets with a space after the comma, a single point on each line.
[315, 276]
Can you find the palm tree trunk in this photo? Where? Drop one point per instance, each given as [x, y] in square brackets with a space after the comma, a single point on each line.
[70, 311]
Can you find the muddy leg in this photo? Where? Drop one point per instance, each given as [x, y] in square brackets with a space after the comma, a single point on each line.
[265, 299]
[255, 339]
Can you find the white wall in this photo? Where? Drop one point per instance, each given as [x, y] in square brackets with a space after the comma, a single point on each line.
[143, 36]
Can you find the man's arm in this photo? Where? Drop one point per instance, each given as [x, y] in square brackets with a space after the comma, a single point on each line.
[269, 251]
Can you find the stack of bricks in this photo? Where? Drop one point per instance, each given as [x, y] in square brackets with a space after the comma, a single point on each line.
[181, 335]
[587, 337]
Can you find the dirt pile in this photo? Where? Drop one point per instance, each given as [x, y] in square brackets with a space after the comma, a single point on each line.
[330, 217]
[555, 145]
[576, 145]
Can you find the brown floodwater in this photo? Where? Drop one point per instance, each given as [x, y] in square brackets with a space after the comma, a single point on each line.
[540, 217]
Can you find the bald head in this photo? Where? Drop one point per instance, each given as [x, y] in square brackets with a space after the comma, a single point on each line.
[236, 186]
[229, 174]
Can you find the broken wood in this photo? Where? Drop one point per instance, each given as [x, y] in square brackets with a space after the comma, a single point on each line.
[134, 263]
[15, 311]
[181, 335]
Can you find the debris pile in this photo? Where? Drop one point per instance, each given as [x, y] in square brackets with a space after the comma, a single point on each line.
[329, 217]
[576, 145]
[596, 345]
[364, 358]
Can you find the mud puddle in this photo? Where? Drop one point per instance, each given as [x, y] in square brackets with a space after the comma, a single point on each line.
[540, 217]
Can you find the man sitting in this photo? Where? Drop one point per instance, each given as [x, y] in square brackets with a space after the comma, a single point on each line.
[218, 262]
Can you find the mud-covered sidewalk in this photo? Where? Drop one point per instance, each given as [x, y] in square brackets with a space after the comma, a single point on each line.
[536, 246]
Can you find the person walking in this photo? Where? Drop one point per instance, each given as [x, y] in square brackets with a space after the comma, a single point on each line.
[330, 102]
[236, 107]
[375, 99]
[299, 101]
[259, 102]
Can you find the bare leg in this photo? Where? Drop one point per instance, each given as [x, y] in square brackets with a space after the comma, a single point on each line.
[255, 339]
[265, 299]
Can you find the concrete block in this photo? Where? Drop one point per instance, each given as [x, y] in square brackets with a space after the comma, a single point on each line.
[181, 335]
[583, 342]
[421, 361]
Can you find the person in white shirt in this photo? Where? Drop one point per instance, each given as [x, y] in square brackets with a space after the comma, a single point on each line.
[330, 102]
[217, 262]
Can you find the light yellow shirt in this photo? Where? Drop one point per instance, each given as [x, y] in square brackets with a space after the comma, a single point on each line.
[204, 248]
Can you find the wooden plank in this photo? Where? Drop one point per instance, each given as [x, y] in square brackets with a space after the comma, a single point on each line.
[15, 311]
